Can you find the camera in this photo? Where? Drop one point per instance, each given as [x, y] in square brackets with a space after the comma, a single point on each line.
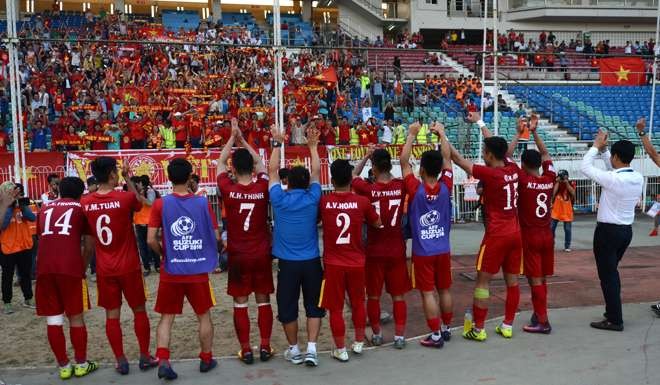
[23, 201]
[563, 175]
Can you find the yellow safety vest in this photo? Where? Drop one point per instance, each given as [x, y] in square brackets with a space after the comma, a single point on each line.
[169, 138]
[355, 138]
[422, 135]
[400, 133]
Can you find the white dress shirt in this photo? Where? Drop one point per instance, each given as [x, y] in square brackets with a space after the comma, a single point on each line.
[622, 189]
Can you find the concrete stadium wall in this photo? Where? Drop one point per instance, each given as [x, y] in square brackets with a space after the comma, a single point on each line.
[359, 24]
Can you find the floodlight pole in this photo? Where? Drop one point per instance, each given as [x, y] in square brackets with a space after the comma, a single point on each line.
[483, 70]
[655, 70]
[495, 85]
[15, 91]
[277, 46]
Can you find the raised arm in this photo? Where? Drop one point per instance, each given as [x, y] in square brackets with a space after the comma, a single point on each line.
[357, 171]
[259, 166]
[226, 150]
[313, 144]
[540, 145]
[475, 117]
[646, 141]
[126, 174]
[406, 168]
[445, 149]
[587, 168]
[274, 161]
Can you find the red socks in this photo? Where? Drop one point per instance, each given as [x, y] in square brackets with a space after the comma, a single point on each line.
[540, 302]
[163, 355]
[479, 315]
[242, 326]
[113, 332]
[511, 304]
[373, 311]
[142, 332]
[337, 327]
[58, 343]
[359, 317]
[206, 357]
[400, 317]
[265, 322]
[434, 324]
[79, 341]
[446, 318]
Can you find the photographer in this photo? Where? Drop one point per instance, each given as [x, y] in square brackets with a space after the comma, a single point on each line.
[562, 206]
[16, 244]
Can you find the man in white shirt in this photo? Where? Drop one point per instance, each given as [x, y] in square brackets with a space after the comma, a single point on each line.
[387, 132]
[622, 187]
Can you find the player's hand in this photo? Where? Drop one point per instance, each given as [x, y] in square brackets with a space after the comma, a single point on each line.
[370, 150]
[438, 129]
[234, 124]
[277, 135]
[313, 137]
[640, 125]
[125, 169]
[473, 117]
[533, 122]
[236, 134]
[413, 129]
[601, 140]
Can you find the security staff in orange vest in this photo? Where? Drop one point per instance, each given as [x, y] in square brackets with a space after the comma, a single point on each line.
[16, 245]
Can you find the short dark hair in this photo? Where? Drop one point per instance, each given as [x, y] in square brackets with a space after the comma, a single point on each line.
[195, 177]
[298, 178]
[531, 158]
[50, 177]
[179, 170]
[624, 149]
[102, 167]
[283, 173]
[242, 161]
[341, 172]
[92, 181]
[497, 146]
[381, 160]
[431, 162]
[145, 180]
[71, 187]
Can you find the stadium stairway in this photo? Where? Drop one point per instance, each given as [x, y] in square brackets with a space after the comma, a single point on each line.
[458, 67]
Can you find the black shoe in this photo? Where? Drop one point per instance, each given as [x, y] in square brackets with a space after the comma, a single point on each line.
[266, 354]
[656, 309]
[166, 372]
[246, 357]
[607, 325]
[207, 366]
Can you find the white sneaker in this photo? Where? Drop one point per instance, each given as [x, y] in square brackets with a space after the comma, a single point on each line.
[340, 355]
[567, 250]
[311, 359]
[295, 359]
[357, 347]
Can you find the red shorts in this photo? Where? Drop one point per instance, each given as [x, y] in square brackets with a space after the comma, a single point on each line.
[111, 288]
[339, 280]
[431, 272]
[392, 272]
[249, 275]
[538, 253]
[58, 294]
[171, 294]
[500, 252]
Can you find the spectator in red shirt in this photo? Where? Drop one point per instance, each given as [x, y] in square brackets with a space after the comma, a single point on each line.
[344, 132]
[137, 133]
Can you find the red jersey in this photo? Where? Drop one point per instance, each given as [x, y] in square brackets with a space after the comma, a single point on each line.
[248, 232]
[60, 227]
[500, 197]
[344, 133]
[195, 127]
[343, 214]
[110, 216]
[536, 198]
[156, 221]
[386, 198]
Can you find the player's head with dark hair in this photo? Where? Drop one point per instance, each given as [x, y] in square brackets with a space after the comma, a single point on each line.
[495, 148]
[193, 183]
[381, 161]
[145, 180]
[531, 160]
[104, 169]
[623, 151]
[71, 187]
[179, 171]
[242, 162]
[195, 178]
[53, 181]
[52, 177]
[430, 164]
[283, 173]
[299, 178]
[341, 173]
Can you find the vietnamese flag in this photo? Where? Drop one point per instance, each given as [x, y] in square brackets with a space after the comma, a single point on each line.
[328, 75]
[622, 71]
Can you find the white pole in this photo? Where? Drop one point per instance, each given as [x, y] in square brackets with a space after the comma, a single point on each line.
[655, 70]
[496, 91]
[11, 34]
[277, 46]
[483, 71]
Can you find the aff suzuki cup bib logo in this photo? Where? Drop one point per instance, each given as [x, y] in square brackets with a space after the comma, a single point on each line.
[182, 228]
[429, 227]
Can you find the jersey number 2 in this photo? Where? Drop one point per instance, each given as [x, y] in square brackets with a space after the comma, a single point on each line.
[344, 222]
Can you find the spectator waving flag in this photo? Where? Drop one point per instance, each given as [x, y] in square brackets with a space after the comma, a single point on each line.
[328, 75]
[622, 71]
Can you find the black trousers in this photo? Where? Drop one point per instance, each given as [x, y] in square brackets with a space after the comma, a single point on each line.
[148, 256]
[610, 243]
[23, 262]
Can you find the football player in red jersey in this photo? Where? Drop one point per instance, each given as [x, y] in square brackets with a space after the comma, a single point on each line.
[386, 249]
[343, 213]
[248, 241]
[501, 246]
[535, 196]
[109, 214]
[61, 287]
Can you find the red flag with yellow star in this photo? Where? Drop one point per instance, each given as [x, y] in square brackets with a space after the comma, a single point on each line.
[622, 71]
